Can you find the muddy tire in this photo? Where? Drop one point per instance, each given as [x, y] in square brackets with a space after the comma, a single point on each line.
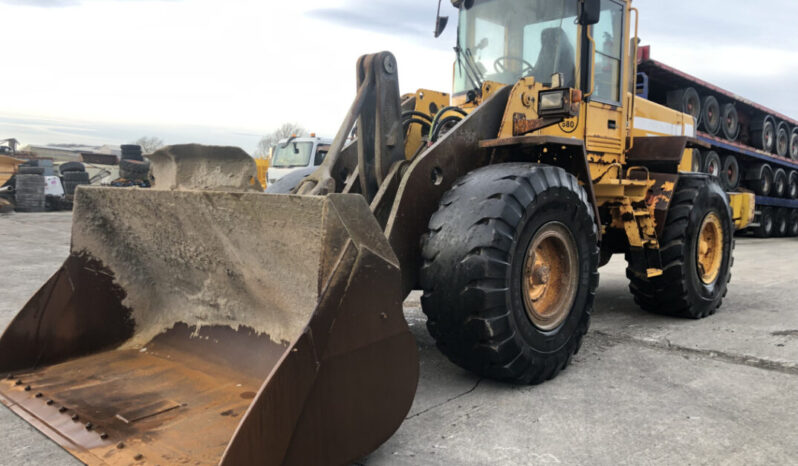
[31, 170]
[71, 167]
[696, 250]
[135, 170]
[486, 296]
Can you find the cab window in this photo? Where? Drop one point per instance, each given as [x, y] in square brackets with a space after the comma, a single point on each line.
[608, 35]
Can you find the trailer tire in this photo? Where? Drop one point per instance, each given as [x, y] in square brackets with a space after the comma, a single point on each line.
[698, 161]
[792, 185]
[690, 287]
[792, 229]
[730, 122]
[760, 179]
[794, 144]
[765, 228]
[710, 115]
[712, 164]
[31, 170]
[475, 255]
[781, 218]
[763, 133]
[686, 101]
[730, 174]
[783, 139]
[779, 183]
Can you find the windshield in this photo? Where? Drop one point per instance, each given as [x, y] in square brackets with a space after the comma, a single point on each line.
[504, 40]
[294, 154]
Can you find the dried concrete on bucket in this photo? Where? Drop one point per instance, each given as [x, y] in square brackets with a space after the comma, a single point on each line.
[206, 258]
[195, 166]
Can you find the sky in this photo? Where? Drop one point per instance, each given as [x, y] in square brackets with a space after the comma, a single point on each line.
[228, 72]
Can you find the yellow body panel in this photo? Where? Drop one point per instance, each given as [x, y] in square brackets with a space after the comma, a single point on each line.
[263, 167]
[743, 207]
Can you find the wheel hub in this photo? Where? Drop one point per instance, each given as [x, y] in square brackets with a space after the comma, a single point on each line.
[550, 276]
[710, 248]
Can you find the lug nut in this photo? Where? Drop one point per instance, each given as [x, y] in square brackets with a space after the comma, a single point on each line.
[62, 409]
[39, 395]
[103, 436]
[89, 425]
[120, 445]
[75, 417]
[138, 457]
[19, 382]
[49, 402]
[27, 388]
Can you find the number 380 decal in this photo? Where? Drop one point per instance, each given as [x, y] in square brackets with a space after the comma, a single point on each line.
[569, 125]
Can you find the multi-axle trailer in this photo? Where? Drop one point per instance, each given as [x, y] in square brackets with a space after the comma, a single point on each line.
[752, 148]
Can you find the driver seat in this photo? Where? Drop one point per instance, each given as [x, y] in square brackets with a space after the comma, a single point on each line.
[556, 56]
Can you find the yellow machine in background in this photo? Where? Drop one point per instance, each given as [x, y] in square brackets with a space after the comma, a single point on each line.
[263, 167]
[167, 333]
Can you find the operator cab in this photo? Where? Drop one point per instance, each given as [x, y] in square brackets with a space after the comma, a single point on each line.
[295, 153]
[506, 40]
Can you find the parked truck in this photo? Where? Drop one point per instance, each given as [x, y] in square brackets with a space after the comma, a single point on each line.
[751, 147]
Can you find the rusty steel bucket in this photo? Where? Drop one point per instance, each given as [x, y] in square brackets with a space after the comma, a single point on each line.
[215, 327]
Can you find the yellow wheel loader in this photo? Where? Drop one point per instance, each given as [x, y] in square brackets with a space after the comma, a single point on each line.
[203, 322]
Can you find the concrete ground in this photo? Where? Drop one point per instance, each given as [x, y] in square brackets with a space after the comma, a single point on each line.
[644, 389]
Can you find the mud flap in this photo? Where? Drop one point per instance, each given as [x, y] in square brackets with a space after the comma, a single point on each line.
[215, 327]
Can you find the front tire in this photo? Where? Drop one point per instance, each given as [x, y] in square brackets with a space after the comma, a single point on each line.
[696, 250]
[496, 306]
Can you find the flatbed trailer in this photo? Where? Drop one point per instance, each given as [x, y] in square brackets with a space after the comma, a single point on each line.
[752, 148]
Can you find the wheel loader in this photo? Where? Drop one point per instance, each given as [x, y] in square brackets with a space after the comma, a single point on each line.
[204, 322]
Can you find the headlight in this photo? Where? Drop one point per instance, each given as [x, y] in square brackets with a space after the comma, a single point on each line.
[552, 101]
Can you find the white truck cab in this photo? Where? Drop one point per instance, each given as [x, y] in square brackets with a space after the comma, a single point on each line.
[296, 152]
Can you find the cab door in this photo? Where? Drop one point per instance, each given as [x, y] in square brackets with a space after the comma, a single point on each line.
[606, 116]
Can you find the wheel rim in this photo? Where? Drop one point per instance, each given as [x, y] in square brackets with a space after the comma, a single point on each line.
[710, 248]
[551, 272]
[713, 169]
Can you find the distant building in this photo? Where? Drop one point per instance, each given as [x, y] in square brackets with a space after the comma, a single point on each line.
[70, 152]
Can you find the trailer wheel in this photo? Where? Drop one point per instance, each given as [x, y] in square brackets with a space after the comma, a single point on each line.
[730, 122]
[710, 111]
[782, 139]
[696, 253]
[792, 185]
[765, 228]
[730, 175]
[794, 144]
[792, 229]
[697, 161]
[781, 220]
[760, 179]
[779, 183]
[712, 164]
[686, 101]
[763, 133]
[510, 271]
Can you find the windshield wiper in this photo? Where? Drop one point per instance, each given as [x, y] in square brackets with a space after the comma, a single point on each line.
[471, 70]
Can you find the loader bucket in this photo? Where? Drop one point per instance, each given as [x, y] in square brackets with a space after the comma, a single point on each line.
[215, 327]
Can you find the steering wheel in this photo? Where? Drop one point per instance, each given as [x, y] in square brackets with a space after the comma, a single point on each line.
[500, 65]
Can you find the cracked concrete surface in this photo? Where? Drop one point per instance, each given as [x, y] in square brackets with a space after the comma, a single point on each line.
[644, 389]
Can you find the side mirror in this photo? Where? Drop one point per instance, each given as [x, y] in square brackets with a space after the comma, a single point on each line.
[589, 12]
[440, 22]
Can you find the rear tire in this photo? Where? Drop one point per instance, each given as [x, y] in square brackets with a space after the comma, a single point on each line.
[792, 185]
[688, 288]
[783, 139]
[710, 115]
[476, 279]
[760, 179]
[730, 122]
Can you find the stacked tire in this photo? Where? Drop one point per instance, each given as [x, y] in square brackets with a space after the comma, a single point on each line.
[73, 174]
[29, 189]
[133, 167]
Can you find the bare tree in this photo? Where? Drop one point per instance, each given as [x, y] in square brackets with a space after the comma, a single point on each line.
[149, 144]
[270, 140]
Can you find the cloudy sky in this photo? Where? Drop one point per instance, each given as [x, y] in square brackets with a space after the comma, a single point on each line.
[226, 72]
